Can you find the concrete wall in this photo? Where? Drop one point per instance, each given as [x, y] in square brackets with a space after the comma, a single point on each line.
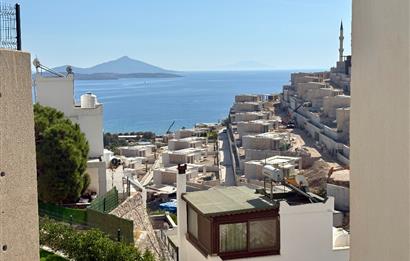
[247, 106]
[180, 134]
[48, 88]
[251, 116]
[247, 98]
[184, 144]
[91, 123]
[255, 127]
[97, 171]
[304, 88]
[380, 131]
[253, 170]
[18, 188]
[341, 196]
[330, 104]
[316, 95]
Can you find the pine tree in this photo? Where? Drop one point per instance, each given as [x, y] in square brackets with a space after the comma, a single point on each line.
[62, 151]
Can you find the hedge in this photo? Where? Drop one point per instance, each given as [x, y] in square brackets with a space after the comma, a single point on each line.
[88, 245]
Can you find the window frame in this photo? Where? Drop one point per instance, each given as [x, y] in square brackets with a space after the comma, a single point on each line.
[249, 252]
[215, 221]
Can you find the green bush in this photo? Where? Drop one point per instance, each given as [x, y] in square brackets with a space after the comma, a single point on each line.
[212, 135]
[87, 245]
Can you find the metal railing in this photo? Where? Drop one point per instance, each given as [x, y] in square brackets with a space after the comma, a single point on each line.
[10, 26]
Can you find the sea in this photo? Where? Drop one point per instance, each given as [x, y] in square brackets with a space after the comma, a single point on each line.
[152, 104]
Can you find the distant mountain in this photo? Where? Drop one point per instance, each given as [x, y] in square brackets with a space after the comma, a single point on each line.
[247, 65]
[115, 76]
[123, 67]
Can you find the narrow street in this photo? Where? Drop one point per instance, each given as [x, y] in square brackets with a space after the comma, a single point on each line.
[227, 171]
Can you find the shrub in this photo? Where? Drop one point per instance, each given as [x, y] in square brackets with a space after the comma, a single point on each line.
[87, 245]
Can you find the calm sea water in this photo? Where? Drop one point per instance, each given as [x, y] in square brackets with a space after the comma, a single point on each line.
[152, 104]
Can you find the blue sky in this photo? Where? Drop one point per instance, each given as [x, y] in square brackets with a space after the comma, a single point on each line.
[187, 34]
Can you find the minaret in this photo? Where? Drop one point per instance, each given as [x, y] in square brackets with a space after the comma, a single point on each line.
[341, 39]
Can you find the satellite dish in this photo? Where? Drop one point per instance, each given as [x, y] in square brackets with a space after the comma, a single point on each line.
[36, 63]
[69, 69]
[115, 163]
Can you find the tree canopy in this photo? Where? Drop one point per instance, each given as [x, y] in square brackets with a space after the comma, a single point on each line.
[62, 151]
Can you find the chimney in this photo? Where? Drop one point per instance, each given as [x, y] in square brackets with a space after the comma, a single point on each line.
[181, 209]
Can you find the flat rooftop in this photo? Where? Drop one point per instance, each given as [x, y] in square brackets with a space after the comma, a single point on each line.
[186, 151]
[137, 147]
[190, 139]
[230, 200]
[275, 160]
[271, 135]
[261, 122]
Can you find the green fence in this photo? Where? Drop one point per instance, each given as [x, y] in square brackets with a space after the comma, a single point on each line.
[96, 215]
[115, 227]
[68, 215]
[106, 203]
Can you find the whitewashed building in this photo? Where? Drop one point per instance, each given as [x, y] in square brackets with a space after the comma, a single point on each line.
[189, 155]
[168, 176]
[254, 169]
[251, 116]
[247, 106]
[137, 151]
[260, 146]
[257, 126]
[184, 143]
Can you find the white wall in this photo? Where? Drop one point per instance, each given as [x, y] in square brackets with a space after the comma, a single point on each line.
[58, 92]
[380, 131]
[341, 196]
[91, 123]
[97, 171]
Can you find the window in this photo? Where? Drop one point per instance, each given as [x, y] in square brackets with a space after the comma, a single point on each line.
[263, 234]
[232, 237]
[250, 237]
[192, 222]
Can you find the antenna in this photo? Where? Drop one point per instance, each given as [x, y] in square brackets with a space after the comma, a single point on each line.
[38, 65]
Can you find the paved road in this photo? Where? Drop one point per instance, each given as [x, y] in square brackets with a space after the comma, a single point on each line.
[227, 160]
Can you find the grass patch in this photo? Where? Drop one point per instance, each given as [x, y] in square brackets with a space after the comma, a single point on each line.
[48, 256]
